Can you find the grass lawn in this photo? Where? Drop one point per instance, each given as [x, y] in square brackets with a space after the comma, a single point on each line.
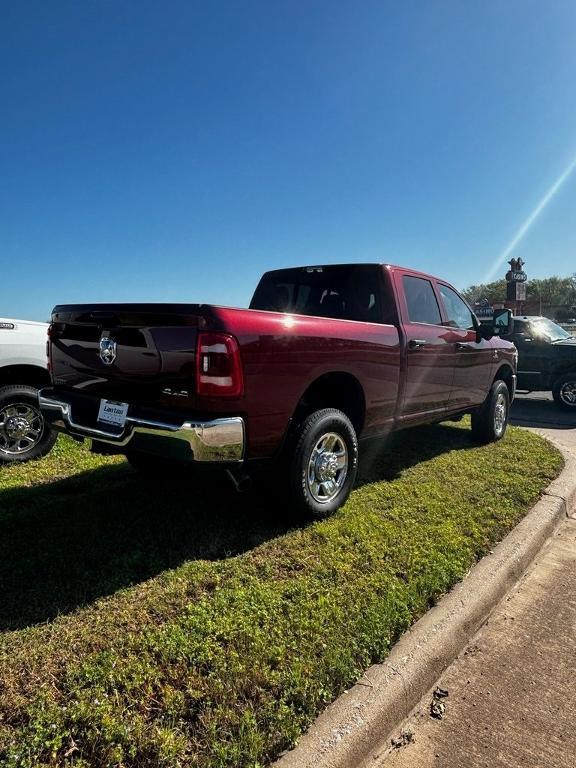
[162, 624]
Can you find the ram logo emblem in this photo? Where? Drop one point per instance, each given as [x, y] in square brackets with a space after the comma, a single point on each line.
[107, 348]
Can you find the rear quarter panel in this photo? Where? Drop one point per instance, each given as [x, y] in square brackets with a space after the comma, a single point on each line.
[283, 355]
[25, 344]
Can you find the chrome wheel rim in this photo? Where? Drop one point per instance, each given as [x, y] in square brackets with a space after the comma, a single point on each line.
[327, 468]
[21, 427]
[568, 393]
[500, 414]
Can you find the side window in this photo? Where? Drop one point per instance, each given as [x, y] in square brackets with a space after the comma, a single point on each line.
[459, 315]
[522, 331]
[421, 301]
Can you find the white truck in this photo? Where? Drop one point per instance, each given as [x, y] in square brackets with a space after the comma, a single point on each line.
[23, 371]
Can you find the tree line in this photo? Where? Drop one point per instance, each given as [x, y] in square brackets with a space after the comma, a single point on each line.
[549, 291]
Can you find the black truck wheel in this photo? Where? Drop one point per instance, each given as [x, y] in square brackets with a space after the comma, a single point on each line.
[564, 391]
[323, 464]
[23, 433]
[490, 421]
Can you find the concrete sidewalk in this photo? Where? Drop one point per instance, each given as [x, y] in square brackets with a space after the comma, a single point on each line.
[512, 692]
[502, 643]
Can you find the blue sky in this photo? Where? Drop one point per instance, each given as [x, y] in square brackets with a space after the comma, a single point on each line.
[173, 151]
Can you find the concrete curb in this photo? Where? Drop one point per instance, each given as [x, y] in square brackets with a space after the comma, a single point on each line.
[359, 723]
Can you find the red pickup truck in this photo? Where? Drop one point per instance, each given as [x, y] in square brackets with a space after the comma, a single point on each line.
[324, 356]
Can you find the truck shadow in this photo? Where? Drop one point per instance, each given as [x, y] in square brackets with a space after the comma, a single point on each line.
[67, 543]
[386, 460]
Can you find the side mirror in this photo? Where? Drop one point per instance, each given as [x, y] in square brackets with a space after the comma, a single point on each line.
[501, 324]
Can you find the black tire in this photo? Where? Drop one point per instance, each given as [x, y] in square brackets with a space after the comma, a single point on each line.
[318, 488]
[564, 391]
[490, 421]
[23, 432]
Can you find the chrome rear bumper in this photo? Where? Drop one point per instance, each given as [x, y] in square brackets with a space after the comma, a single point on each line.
[216, 440]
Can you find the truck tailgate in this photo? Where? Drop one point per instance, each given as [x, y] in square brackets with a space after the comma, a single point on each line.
[107, 349]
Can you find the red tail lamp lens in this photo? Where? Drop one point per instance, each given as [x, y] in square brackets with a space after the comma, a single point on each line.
[218, 366]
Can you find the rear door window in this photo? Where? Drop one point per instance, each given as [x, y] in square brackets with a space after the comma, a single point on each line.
[421, 301]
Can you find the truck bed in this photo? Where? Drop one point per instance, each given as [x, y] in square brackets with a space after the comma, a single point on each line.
[155, 368]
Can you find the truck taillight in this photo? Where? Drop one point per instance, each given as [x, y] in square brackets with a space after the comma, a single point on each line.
[218, 366]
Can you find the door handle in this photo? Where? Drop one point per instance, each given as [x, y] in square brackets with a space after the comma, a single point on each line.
[462, 345]
[417, 343]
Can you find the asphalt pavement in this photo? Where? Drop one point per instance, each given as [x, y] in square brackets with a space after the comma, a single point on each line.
[538, 411]
[509, 700]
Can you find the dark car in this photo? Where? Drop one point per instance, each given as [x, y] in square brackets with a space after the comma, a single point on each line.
[546, 358]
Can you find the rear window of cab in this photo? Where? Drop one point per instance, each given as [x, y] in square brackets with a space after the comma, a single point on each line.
[340, 292]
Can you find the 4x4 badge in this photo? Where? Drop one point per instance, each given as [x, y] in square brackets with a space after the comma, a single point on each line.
[107, 349]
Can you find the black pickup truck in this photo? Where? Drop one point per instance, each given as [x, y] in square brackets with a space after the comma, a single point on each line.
[546, 359]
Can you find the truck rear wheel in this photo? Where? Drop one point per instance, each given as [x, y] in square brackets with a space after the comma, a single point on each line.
[23, 433]
[324, 463]
[564, 391]
[490, 421]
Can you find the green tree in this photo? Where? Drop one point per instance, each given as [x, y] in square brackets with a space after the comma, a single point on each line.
[572, 289]
[549, 290]
[495, 291]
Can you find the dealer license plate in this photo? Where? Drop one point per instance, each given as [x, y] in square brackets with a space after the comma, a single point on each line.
[112, 412]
